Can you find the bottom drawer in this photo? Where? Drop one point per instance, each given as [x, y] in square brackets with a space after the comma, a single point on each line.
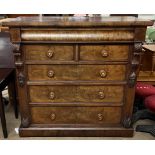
[75, 115]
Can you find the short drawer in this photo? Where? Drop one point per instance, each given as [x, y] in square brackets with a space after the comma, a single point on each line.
[76, 72]
[104, 52]
[53, 94]
[48, 52]
[75, 115]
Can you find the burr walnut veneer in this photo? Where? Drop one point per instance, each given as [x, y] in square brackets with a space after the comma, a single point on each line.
[76, 75]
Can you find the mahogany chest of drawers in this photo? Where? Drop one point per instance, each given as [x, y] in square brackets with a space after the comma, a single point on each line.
[76, 75]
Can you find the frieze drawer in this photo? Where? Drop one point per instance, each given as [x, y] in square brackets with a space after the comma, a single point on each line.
[77, 35]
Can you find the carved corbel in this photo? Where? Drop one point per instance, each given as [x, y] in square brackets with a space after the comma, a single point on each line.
[19, 64]
[127, 122]
[135, 63]
[16, 47]
[25, 122]
[17, 53]
[132, 79]
[21, 79]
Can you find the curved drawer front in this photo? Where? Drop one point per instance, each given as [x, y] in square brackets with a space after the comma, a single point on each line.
[53, 94]
[104, 52]
[77, 35]
[75, 115]
[48, 52]
[76, 72]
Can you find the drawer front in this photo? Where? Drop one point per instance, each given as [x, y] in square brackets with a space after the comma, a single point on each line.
[41, 94]
[76, 72]
[71, 35]
[53, 94]
[104, 52]
[100, 94]
[48, 52]
[75, 115]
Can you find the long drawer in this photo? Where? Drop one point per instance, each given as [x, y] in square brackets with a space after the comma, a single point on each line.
[76, 72]
[85, 35]
[75, 115]
[53, 52]
[53, 94]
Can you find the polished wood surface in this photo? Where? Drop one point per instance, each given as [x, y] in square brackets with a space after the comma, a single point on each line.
[104, 52]
[49, 52]
[6, 55]
[7, 78]
[76, 76]
[88, 94]
[75, 115]
[76, 72]
[79, 35]
[77, 21]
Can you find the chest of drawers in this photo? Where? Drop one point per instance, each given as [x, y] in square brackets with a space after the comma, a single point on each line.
[76, 76]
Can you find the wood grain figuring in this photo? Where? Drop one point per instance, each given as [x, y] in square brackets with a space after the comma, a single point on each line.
[104, 52]
[76, 75]
[75, 115]
[71, 35]
[76, 72]
[42, 52]
[66, 94]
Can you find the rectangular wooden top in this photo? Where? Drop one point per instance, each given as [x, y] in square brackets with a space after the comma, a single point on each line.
[115, 21]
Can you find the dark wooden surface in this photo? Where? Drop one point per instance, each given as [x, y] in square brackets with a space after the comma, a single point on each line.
[77, 21]
[2, 117]
[6, 54]
[4, 73]
[7, 77]
[93, 79]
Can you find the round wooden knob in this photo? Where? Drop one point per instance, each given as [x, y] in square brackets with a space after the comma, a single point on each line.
[50, 53]
[53, 116]
[103, 73]
[101, 95]
[51, 95]
[104, 53]
[51, 73]
[100, 116]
